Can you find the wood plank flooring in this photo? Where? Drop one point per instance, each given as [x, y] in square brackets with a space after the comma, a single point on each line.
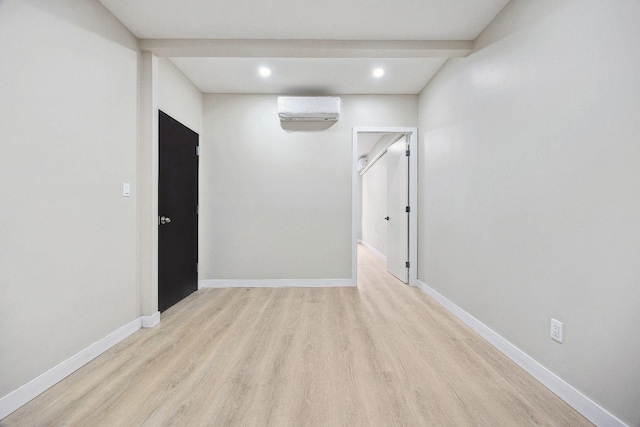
[382, 354]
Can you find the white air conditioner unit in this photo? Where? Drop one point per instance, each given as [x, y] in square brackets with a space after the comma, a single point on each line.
[309, 108]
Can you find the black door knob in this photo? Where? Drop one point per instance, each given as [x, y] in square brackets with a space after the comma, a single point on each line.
[387, 218]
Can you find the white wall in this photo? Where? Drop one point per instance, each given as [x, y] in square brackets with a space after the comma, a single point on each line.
[68, 237]
[277, 203]
[374, 206]
[529, 189]
[178, 97]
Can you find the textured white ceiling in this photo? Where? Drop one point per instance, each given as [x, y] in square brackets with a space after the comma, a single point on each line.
[307, 20]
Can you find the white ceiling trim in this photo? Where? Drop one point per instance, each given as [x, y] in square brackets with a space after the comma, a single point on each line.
[233, 48]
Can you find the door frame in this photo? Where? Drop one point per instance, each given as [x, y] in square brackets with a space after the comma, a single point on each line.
[412, 133]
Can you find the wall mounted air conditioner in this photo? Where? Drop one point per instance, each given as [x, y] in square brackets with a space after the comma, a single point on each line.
[309, 108]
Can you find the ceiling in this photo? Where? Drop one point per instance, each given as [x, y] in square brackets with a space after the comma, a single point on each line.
[310, 76]
[367, 141]
[311, 47]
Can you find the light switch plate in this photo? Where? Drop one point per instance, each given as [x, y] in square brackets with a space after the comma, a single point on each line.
[126, 189]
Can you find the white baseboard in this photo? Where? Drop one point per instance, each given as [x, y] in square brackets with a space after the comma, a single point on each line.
[374, 250]
[150, 321]
[33, 388]
[276, 283]
[580, 402]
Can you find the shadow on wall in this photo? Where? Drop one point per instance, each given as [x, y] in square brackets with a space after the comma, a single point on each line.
[306, 126]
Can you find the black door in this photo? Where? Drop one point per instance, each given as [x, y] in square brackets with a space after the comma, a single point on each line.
[177, 211]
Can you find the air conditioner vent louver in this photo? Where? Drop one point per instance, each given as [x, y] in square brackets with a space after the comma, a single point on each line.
[309, 108]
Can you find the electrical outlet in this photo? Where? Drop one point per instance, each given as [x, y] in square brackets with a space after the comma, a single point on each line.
[556, 330]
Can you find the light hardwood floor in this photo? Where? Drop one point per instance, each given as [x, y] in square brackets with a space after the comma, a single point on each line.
[382, 354]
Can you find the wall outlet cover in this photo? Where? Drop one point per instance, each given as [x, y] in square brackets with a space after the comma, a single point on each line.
[556, 330]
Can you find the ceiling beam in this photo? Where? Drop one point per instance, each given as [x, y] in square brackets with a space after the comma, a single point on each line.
[218, 48]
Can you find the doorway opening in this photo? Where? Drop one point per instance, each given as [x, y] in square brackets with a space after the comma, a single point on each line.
[384, 189]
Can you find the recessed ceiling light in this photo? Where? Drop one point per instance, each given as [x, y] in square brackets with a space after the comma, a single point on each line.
[264, 72]
[378, 72]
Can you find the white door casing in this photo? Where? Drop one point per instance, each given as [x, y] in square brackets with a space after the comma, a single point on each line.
[412, 136]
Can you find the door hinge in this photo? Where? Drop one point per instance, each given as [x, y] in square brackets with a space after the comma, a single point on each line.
[407, 264]
[408, 209]
[197, 266]
[408, 153]
[197, 209]
[197, 150]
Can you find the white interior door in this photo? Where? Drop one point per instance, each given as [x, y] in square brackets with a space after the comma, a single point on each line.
[397, 216]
